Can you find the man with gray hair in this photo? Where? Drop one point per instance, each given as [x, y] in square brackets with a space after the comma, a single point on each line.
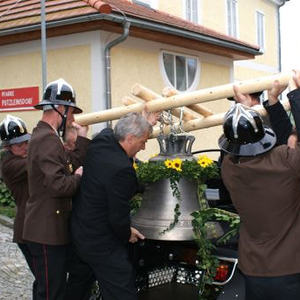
[100, 223]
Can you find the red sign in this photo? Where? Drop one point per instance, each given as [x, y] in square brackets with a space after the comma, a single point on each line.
[19, 98]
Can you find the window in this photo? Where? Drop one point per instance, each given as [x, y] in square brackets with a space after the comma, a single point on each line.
[260, 30]
[180, 70]
[191, 11]
[232, 17]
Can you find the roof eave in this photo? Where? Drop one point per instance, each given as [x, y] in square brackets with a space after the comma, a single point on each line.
[140, 23]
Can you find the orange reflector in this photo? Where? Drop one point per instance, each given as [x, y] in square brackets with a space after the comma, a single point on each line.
[222, 272]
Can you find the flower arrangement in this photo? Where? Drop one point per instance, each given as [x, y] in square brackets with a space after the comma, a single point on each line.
[174, 169]
[198, 170]
[209, 262]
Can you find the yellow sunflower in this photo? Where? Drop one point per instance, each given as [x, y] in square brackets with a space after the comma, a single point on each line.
[176, 164]
[204, 161]
[168, 163]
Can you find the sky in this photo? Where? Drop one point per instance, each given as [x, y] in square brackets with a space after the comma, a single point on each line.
[290, 35]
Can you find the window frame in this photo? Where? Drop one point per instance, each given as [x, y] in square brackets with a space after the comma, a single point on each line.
[185, 11]
[166, 80]
[260, 31]
[233, 25]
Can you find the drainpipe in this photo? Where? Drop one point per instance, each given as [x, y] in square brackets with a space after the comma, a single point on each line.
[43, 43]
[279, 35]
[120, 39]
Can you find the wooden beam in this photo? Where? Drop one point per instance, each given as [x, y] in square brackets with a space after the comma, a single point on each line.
[218, 92]
[210, 121]
[129, 101]
[204, 95]
[198, 108]
[148, 95]
[109, 114]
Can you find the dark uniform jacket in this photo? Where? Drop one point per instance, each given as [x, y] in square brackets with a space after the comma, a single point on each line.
[14, 172]
[265, 191]
[51, 187]
[101, 214]
[279, 121]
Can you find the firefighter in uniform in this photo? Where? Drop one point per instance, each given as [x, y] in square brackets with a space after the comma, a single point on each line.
[52, 183]
[263, 182]
[14, 137]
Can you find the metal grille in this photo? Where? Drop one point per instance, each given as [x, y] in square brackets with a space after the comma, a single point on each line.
[182, 274]
[161, 276]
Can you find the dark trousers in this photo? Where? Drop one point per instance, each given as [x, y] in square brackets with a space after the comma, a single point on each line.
[81, 278]
[114, 273]
[273, 288]
[30, 263]
[51, 267]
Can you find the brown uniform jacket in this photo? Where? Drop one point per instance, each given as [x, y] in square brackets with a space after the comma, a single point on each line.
[266, 193]
[14, 172]
[51, 187]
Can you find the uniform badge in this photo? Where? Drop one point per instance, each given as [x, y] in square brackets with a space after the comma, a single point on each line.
[71, 168]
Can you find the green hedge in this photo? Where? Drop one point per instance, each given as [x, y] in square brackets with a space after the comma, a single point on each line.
[8, 211]
[7, 202]
[6, 199]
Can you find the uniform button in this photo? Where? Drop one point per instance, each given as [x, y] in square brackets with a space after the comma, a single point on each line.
[57, 211]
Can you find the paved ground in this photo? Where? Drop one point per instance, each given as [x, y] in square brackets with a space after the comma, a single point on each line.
[15, 277]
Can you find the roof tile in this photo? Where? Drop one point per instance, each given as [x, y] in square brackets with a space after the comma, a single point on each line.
[99, 5]
[35, 9]
[18, 13]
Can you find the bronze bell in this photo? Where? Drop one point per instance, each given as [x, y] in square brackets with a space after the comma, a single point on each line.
[157, 209]
[173, 146]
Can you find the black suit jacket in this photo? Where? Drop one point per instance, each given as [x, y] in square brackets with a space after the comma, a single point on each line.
[279, 121]
[101, 210]
[294, 98]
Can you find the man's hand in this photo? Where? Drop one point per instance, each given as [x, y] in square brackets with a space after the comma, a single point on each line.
[81, 130]
[152, 117]
[292, 140]
[239, 97]
[275, 91]
[135, 235]
[79, 171]
[294, 82]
